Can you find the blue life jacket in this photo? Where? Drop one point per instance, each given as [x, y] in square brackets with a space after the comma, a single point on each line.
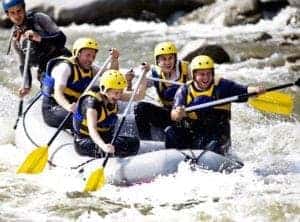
[76, 84]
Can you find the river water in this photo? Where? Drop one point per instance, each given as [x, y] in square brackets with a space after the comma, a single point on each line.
[266, 189]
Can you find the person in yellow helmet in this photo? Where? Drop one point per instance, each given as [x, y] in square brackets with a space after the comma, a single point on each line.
[96, 116]
[66, 78]
[167, 67]
[206, 128]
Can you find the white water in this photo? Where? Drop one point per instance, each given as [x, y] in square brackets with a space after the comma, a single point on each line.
[266, 189]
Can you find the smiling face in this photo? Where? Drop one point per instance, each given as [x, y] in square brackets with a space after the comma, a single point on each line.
[114, 95]
[166, 62]
[86, 58]
[16, 14]
[203, 78]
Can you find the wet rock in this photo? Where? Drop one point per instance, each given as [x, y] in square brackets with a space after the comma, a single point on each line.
[285, 44]
[212, 13]
[273, 1]
[200, 47]
[294, 68]
[295, 3]
[242, 12]
[291, 37]
[293, 58]
[235, 12]
[101, 12]
[148, 16]
[294, 19]
[293, 63]
[262, 37]
[271, 8]
[276, 60]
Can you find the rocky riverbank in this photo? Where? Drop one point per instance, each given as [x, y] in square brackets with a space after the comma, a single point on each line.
[99, 12]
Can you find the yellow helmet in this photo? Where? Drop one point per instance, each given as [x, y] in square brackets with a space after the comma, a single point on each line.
[164, 48]
[82, 43]
[112, 79]
[201, 62]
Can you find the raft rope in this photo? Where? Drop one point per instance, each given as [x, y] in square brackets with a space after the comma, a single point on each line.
[84, 163]
[52, 164]
[191, 159]
[35, 98]
[50, 161]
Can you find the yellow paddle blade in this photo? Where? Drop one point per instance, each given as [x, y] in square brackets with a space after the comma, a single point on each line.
[273, 102]
[35, 161]
[95, 181]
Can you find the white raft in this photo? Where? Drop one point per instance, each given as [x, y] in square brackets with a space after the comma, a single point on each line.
[152, 160]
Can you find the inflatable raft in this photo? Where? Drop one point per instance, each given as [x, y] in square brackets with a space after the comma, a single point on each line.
[152, 160]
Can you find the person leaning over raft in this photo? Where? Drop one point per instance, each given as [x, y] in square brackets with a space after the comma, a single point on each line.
[206, 128]
[167, 67]
[48, 40]
[96, 117]
[67, 77]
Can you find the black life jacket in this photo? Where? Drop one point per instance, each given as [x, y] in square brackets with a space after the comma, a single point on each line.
[106, 116]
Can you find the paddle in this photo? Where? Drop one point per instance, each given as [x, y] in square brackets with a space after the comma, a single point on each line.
[37, 159]
[9, 42]
[272, 102]
[165, 80]
[20, 108]
[282, 103]
[97, 178]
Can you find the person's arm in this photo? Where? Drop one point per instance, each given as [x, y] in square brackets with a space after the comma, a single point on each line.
[141, 91]
[178, 111]
[93, 133]
[238, 89]
[61, 73]
[114, 64]
[51, 35]
[129, 77]
[61, 99]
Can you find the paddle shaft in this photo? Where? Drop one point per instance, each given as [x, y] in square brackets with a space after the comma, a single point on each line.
[20, 111]
[32, 102]
[20, 108]
[9, 42]
[124, 116]
[234, 98]
[165, 81]
[61, 125]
